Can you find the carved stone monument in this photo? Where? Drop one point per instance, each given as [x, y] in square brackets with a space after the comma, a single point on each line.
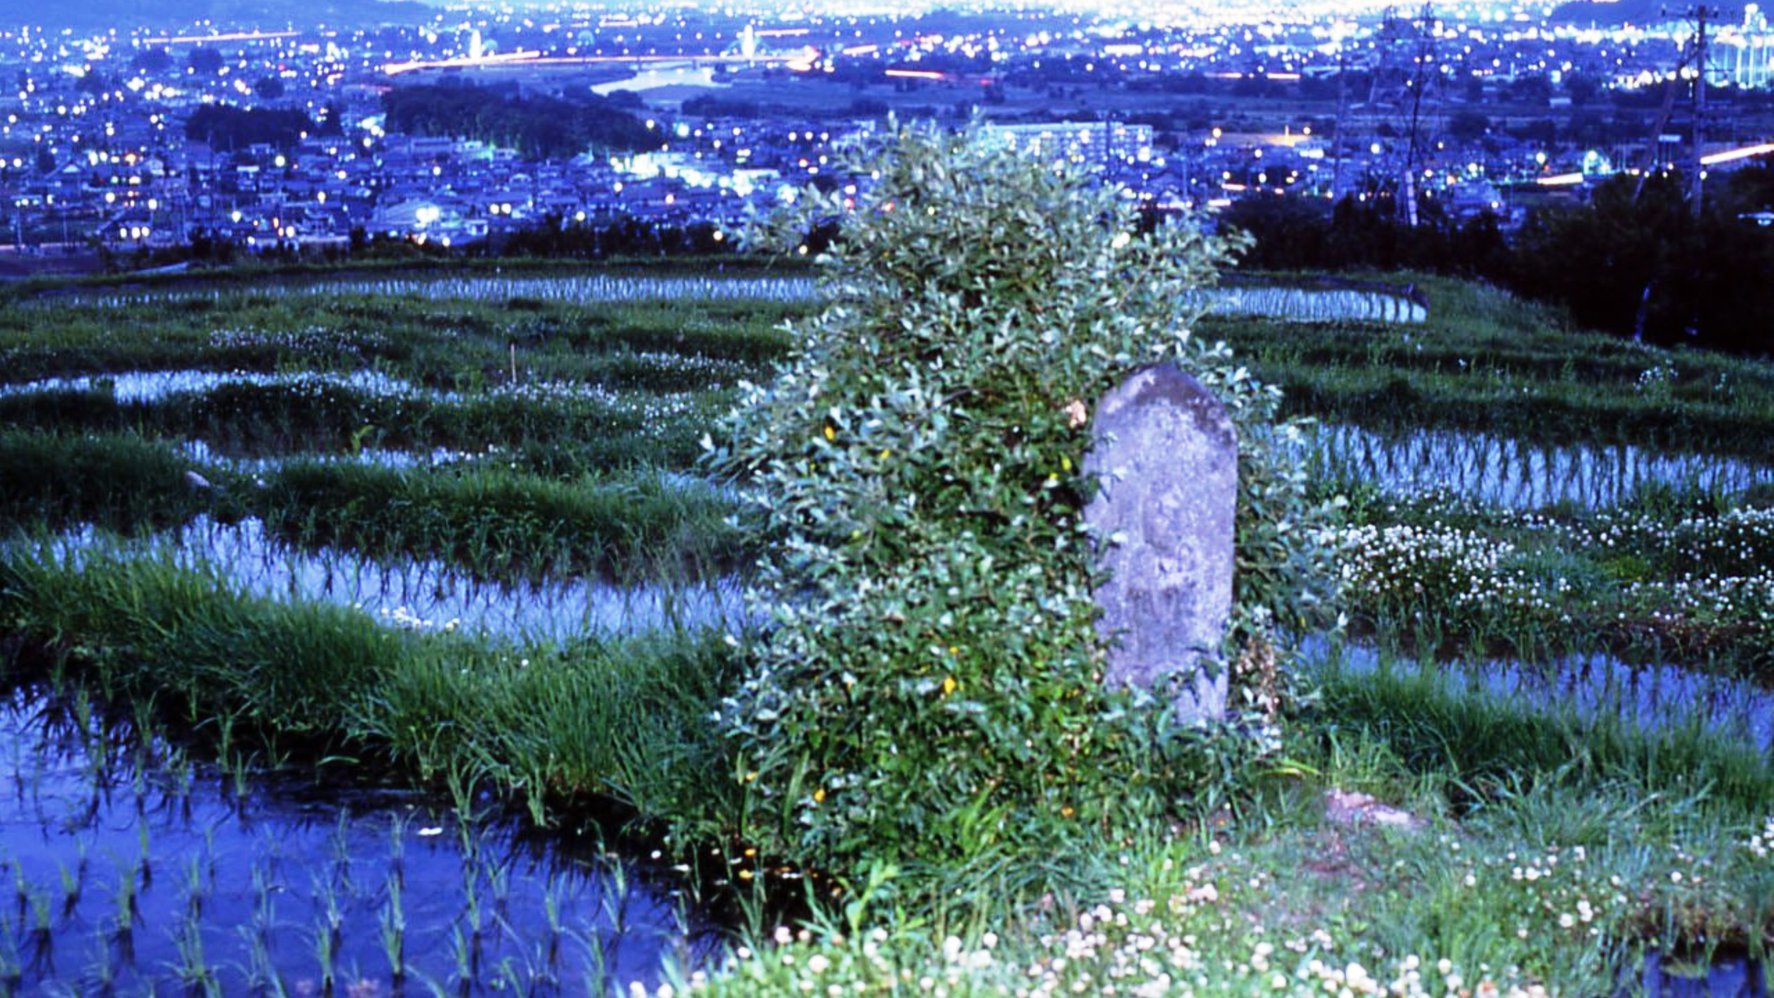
[1166, 456]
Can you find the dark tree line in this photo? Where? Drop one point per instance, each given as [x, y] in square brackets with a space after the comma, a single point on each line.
[1640, 262]
[538, 127]
[1634, 261]
[222, 126]
[555, 237]
[1365, 230]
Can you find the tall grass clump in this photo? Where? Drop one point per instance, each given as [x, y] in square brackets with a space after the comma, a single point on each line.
[501, 523]
[115, 480]
[1437, 721]
[929, 693]
[622, 721]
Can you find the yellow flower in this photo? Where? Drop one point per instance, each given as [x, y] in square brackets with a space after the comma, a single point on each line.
[1065, 464]
[830, 434]
[1067, 811]
[949, 685]
[819, 796]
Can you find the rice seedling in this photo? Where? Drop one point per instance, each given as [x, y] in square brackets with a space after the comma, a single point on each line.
[340, 846]
[473, 915]
[393, 922]
[73, 881]
[397, 846]
[325, 941]
[499, 882]
[42, 914]
[102, 974]
[556, 928]
[196, 885]
[260, 973]
[1313, 305]
[330, 899]
[596, 979]
[1512, 473]
[465, 955]
[264, 910]
[124, 906]
[192, 968]
[11, 966]
[581, 289]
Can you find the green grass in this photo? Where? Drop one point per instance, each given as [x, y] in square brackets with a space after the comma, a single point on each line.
[556, 485]
[1533, 868]
[651, 377]
[483, 517]
[619, 722]
[550, 431]
[122, 482]
[252, 271]
[506, 524]
[1672, 577]
[441, 344]
[1434, 721]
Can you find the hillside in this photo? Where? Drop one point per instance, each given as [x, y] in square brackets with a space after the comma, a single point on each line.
[125, 14]
[1608, 12]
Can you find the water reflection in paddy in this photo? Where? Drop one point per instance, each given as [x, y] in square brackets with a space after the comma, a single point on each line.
[1594, 685]
[422, 594]
[153, 386]
[585, 288]
[1504, 471]
[135, 870]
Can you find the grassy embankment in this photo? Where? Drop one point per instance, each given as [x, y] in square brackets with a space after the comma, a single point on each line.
[1559, 846]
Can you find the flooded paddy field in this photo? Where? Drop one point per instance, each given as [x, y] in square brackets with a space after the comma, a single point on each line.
[483, 484]
[445, 550]
[135, 868]
[579, 289]
[420, 595]
[1515, 474]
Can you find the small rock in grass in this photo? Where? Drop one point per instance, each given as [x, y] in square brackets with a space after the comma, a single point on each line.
[1346, 808]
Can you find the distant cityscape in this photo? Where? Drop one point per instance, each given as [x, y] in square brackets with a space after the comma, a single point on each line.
[464, 126]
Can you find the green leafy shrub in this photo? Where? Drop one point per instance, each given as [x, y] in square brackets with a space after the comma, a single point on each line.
[928, 689]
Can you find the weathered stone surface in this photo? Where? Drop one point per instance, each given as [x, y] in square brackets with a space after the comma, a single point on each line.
[1342, 807]
[1166, 456]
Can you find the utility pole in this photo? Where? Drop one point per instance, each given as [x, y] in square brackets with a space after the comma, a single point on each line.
[1695, 190]
[1420, 81]
[1405, 69]
[1337, 136]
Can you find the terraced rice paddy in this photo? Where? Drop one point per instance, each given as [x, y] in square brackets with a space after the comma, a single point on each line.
[453, 533]
[513, 479]
[585, 289]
